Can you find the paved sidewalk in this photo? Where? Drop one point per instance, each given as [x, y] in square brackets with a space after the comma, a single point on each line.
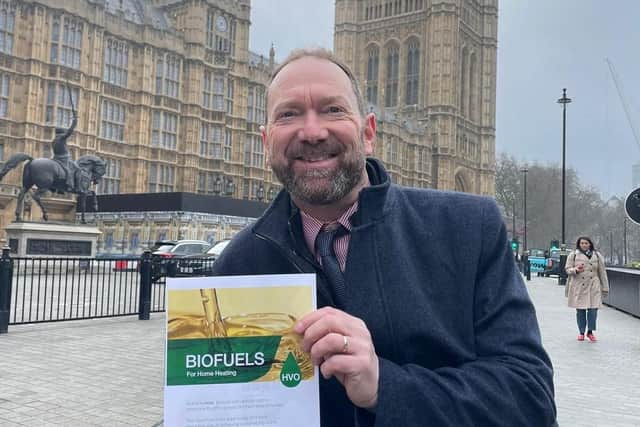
[597, 384]
[105, 372]
[108, 372]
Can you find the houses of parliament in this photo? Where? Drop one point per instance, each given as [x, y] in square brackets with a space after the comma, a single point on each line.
[169, 94]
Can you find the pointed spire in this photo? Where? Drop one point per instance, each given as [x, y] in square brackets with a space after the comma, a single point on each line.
[272, 56]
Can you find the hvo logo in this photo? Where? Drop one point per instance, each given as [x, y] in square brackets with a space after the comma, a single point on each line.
[290, 375]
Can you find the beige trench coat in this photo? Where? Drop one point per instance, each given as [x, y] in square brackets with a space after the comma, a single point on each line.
[586, 289]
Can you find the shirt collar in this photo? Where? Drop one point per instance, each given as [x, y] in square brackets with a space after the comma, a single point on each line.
[312, 226]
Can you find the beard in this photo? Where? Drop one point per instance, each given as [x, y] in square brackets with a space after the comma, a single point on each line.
[321, 186]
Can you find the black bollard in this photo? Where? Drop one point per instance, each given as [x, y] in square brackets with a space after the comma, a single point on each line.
[6, 277]
[144, 303]
[527, 266]
[562, 274]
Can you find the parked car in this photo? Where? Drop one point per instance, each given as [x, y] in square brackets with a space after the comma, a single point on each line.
[553, 264]
[165, 254]
[216, 249]
[202, 264]
[537, 261]
[118, 262]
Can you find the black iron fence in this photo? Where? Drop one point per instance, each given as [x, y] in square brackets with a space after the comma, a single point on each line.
[34, 290]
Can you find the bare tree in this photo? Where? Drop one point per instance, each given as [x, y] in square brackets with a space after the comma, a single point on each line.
[508, 192]
[586, 214]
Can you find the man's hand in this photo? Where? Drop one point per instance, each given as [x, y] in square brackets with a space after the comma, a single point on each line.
[341, 345]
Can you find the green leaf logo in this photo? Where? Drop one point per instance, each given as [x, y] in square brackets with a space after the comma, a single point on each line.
[290, 375]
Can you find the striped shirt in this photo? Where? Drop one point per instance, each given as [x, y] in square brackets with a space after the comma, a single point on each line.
[312, 226]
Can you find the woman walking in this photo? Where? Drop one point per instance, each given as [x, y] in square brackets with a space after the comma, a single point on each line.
[587, 285]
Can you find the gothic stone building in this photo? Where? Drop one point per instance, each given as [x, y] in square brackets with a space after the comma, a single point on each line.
[167, 92]
[428, 69]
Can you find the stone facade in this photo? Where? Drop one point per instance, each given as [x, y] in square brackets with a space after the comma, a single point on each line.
[428, 69]
[132, 232]
[166, 91]
[169, 94]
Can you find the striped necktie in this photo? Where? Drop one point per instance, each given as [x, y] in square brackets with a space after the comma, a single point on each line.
[330, 264]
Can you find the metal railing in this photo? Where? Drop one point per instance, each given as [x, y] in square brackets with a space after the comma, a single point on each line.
[34, 290]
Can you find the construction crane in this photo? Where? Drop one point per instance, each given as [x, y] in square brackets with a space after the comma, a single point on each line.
[623, 100]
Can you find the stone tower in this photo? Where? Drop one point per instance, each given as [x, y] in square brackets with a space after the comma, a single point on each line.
[428, 69]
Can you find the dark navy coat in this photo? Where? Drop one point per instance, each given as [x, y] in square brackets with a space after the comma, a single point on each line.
[432, 275]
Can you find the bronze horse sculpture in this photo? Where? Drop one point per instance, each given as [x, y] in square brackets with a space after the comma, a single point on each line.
[50, 175]
[60, 174]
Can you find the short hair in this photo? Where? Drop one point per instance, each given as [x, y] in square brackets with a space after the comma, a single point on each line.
[593, 248]
[321, 53]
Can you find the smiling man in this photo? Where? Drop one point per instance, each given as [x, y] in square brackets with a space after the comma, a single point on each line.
[424, 319]
[317, 137]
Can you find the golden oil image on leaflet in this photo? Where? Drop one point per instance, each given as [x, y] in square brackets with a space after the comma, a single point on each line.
[215, 314]
[232, 356]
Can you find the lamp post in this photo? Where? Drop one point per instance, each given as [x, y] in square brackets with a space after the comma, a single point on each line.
[260, 193]
[611, 247]
[271, 194]
[513, 225]
[562, 277]
[524, 171]
[217, 186]
[231, 187]
[625, 260]
[527, 266]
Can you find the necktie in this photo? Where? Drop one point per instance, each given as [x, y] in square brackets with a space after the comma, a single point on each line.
[330, 264]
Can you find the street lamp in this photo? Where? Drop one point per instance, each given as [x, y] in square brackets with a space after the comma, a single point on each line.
[562, 277]
[611, 248]
[271, 194]
[524, 171]
[527, 266]
[217, 186]
[231, 187]
[260, 193]
[513, 226]
[624, 242]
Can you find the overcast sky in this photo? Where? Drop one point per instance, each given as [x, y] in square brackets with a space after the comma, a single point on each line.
[543, 46]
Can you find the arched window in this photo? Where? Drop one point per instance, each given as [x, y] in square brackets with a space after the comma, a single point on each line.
[464, 78]
[413, 72]
[473, 88]
[391, 90]
[373, 62]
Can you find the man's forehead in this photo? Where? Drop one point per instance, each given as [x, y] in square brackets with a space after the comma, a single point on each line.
[311, 71]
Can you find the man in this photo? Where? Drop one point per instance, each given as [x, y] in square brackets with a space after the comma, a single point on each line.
[427, 322]
[61, 155]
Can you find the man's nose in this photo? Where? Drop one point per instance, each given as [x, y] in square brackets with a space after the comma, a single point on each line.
[313, 129]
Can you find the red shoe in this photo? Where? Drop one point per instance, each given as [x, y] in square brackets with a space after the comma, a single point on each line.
[591, 337]
[581, 337]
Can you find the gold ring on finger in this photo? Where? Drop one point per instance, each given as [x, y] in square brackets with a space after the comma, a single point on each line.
[345, 344]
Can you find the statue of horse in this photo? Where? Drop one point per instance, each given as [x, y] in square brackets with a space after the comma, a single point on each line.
[50, 175]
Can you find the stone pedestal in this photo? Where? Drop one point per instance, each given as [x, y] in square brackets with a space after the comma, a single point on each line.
[50, 239]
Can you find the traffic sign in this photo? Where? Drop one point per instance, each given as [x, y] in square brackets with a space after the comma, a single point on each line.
[632, 206]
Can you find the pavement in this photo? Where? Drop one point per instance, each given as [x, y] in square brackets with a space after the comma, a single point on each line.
[109, 372]
[597, 384]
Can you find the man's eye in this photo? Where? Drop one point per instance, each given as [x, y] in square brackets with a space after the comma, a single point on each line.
[334, 109]
[286, 114]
